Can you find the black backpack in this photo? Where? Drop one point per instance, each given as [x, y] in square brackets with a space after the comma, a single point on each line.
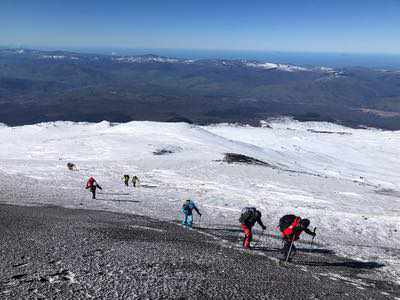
[246, 213]
[286, 221]
[186, 207]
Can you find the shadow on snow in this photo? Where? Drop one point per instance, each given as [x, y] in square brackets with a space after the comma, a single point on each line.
[117, 200]
[347, 264]
[115, 194]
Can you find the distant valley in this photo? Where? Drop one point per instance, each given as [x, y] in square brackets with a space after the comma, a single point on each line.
[38, 86]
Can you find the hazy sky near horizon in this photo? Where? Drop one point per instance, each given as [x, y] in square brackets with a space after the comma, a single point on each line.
[361, 26]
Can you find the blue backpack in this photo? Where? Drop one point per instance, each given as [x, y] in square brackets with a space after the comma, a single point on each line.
[188, 206]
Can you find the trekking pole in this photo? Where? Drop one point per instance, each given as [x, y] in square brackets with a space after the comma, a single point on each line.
[262, 233]
[312, 241]
[290, 250]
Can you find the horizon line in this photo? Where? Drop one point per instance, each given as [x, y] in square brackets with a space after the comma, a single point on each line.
[110, 48]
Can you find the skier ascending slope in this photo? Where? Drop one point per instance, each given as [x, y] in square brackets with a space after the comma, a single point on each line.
[248, 218]
[291, 227]
[187, 210]
[92, 185]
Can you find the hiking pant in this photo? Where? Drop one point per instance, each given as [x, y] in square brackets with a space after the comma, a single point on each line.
[187, 220]
[93, 190]
[286, 248]
[248, 236]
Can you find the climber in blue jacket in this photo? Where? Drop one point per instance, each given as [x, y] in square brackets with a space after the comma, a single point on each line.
[187, 210]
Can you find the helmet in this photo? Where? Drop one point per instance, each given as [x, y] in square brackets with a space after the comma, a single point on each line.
[305, 223]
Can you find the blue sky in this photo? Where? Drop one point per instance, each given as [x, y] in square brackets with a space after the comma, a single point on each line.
[302, 25]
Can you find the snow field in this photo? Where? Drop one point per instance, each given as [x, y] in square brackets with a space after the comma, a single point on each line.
[346, 181]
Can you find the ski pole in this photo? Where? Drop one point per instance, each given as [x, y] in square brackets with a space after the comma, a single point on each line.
[262, 234]
[312, 241]
[290, 250]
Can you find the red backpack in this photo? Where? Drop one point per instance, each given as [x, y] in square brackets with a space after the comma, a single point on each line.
[90, 182]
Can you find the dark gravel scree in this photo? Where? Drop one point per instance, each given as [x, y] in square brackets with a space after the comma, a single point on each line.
[58, 253]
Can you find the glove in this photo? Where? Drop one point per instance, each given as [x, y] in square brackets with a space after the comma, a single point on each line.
[313, 234]
[200, 215]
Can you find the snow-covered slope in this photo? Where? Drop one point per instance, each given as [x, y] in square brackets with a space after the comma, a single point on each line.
[281, 67]
[345, 180]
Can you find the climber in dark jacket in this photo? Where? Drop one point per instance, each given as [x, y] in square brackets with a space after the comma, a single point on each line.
[291, 228]
[249, 217]
[135, 180]
[125, 178]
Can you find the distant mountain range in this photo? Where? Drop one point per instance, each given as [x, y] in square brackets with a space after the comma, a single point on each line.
[40, 86]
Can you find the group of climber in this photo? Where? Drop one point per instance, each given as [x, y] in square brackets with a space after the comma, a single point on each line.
[92, 184]
[290, 226]
[135, 180]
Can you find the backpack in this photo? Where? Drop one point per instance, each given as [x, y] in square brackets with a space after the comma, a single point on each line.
[188, 206]
[286, 221]
[246, 213]
[89, 183]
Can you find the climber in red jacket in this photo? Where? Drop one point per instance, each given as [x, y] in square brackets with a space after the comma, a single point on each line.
[92, 185]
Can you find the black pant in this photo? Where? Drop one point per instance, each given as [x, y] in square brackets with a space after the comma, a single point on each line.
[93, 190]
[286, 248]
